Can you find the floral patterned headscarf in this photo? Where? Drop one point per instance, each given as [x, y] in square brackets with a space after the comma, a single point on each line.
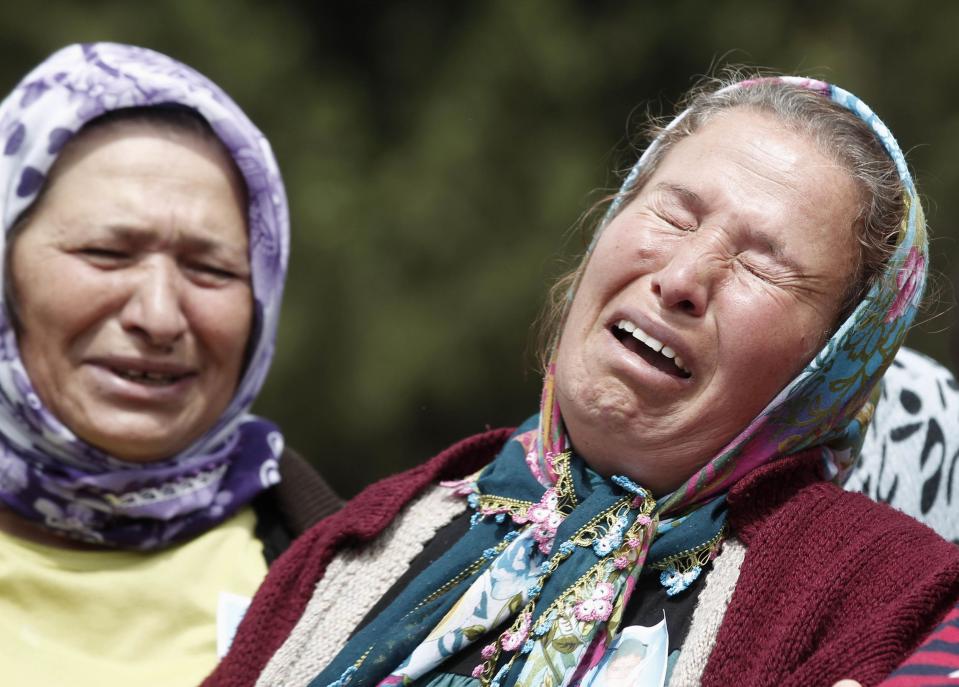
[47, 474]
[555, 550]
[830, 402]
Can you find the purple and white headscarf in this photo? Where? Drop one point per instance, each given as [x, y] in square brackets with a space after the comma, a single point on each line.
[49, 475]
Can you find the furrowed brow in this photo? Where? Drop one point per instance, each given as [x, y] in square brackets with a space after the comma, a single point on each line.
[197, 245]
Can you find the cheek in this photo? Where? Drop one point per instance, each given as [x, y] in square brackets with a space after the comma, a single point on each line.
[570, 378]
[223, 321]
[770, 340]
[606, 275]
[625, 252]
[60, 301]
[619, 255]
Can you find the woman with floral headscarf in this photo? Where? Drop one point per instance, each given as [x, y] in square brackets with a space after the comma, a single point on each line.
[715, 364]
[145, 241]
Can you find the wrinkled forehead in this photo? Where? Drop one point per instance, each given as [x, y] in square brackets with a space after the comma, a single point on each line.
[746, 142]
[911, 237]
[137, 139]
[835, 94]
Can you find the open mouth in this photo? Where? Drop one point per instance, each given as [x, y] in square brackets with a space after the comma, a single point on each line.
[650, 349]
[148, 378]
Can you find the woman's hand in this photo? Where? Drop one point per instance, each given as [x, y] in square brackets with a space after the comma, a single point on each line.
[847, 683]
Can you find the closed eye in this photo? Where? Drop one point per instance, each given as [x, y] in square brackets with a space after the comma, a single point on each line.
[677, 223]
[774, 276]
[753, 270]
[104, 257]
[210, 273]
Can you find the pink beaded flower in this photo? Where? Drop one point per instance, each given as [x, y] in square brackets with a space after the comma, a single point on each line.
[511, 641]
[598, 606]
[546, 518]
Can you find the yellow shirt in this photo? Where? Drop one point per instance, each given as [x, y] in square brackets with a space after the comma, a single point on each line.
[105, 618]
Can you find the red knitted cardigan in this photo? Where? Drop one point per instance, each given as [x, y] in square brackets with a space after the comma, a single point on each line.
[833, 585]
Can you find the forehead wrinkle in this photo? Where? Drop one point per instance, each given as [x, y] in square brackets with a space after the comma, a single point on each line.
[783, 170]
[780, 180]
[191, 242]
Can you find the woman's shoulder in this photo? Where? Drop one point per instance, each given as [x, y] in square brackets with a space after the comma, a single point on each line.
[369, 513]
[293, 578]
[303, 500]
[829, 578]
[378, 504]
[789, 501]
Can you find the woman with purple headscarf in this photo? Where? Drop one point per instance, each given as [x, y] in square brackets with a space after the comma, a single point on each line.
[145, 241]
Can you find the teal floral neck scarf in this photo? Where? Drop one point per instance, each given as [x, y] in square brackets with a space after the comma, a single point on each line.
[554, 551]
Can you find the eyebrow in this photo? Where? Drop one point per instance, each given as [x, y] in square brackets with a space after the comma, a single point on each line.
[686, 195]
[194, 244]
[695, 203]
[775, 247]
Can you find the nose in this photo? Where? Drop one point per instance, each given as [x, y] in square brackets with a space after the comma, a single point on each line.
[685, 279]
[154, 308]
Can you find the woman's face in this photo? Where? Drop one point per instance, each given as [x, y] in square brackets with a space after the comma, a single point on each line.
[132, 289]
[735, 255]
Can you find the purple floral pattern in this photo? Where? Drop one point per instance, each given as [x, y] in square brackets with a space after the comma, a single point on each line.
[46, 472]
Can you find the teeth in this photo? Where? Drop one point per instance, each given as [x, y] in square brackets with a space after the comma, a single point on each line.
[152, 377]
[652, 342]
[655, 344]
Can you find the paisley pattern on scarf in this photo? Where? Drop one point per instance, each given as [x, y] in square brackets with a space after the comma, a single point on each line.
[49, 475]
[562, 547]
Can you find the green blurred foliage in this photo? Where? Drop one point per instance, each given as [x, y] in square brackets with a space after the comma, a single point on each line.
[438, 156]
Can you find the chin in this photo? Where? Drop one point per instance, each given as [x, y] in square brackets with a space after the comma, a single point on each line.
[138, 445]
[139, 435]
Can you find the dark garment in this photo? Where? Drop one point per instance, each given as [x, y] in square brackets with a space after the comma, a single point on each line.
[646, 607]
[287, 510]
[821, 594]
